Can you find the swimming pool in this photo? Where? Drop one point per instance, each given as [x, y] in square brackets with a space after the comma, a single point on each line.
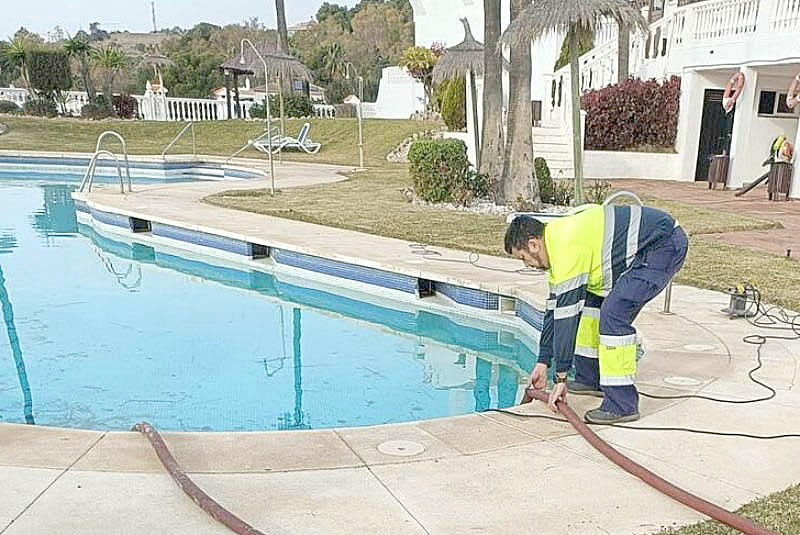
[101, 333]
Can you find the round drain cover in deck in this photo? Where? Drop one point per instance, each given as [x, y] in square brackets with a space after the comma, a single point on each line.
[401, 448]
[682, 381]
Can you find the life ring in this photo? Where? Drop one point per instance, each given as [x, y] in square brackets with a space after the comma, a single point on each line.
[732, 91]
[793, 96]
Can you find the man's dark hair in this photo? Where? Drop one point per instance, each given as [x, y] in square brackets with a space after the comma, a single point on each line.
[522, 229]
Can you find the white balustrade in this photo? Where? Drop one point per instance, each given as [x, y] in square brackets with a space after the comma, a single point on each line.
[326, 111]
[786, 15]
[724, 18]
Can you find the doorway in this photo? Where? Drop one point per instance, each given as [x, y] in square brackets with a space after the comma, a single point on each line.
[716, 129]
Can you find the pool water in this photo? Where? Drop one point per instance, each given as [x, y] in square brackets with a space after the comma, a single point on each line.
[98, 333]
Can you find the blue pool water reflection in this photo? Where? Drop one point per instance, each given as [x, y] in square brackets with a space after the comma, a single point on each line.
[100, 334]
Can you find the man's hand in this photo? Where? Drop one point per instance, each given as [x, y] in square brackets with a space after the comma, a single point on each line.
[537, 381]
[538, 378]
[559, 393]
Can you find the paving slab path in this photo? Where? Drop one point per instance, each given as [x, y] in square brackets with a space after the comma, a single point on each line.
[754, 204]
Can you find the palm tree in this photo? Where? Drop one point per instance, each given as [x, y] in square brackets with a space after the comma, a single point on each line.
[79, 47]
[283, 47]
[112, 60]
[572, 17]
[517, 175]
[492, 135]
[16, 55]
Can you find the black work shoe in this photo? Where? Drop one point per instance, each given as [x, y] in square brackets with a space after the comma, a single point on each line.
[580, 389]
[599, 416]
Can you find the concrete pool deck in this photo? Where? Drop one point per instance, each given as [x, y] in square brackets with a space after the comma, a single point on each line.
[480, 473]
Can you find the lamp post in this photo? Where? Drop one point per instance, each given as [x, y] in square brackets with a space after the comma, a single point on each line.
[267, 111]
[348, 66]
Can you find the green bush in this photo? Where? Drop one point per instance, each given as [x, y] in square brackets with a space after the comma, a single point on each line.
[442, 172]
[563, 192]
[125, 106]
[295, 106]
[6, 106]
[95, 111]
[598, 192]
[41, 107]
[454, 105]
[542, 173]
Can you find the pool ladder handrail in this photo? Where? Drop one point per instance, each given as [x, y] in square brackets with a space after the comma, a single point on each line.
[189, 124]
[88, 178]
[668, 290]
[124, 150]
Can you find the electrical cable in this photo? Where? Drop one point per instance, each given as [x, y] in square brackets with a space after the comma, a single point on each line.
[758, 315]
[473, 259]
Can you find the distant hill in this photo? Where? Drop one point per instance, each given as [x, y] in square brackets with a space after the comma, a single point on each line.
[137, 43]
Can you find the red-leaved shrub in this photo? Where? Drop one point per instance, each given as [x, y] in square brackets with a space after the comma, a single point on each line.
[632, 113]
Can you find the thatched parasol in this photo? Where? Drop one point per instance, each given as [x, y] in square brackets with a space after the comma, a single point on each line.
[572, 17]
[465, 58]
[279, 65]
[158, 61]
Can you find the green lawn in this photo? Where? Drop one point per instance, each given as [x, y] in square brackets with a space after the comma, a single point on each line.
[220, 138]
[779, 512]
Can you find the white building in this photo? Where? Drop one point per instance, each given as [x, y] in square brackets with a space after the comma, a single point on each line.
[704, 43]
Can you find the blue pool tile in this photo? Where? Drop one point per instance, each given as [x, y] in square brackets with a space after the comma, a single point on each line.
[203, 238]
[469, 296]
[378, 277]
[530, 315]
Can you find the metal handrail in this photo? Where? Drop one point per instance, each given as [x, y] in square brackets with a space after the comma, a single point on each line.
[88, 178]
[668, 290]
[189, 124]
[124, 149]
[624, 193]
[275, 131]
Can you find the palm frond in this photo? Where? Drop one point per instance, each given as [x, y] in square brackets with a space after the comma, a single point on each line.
[546, 16]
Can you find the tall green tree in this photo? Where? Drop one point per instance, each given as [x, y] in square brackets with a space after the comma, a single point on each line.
[492, 144]
[78, 47]
[517, 178]
[15, 55]
[571, 17]
[112, 60]
[419, 61]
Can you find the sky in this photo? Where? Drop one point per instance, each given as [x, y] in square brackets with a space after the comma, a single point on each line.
[41, 16]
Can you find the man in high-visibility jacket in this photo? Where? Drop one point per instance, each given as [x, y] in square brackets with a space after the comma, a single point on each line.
[605, 263]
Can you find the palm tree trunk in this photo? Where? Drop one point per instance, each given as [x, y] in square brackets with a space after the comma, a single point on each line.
[577, 148]
[283, 34]
[491, 148]
[474, 92]
[86, 78]
[623, 51]
[517, 175]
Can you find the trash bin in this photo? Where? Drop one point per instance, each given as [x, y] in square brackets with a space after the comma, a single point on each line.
[779, 181]
[718, 172]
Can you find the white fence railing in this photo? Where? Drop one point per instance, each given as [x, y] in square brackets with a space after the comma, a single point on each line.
[786, 15]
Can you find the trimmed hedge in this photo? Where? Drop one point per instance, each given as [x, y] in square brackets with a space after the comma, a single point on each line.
[6, 106]
[632, 113]
[442, 172]
[95, 111]
[41, 107]
[49, 71]
[542, 173]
